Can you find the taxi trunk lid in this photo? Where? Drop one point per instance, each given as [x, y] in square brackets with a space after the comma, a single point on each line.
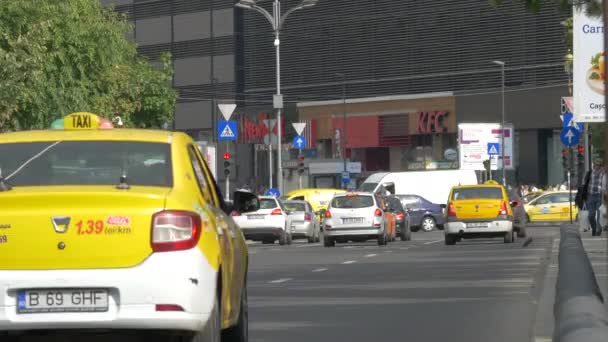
[477, 208]
[77, 227]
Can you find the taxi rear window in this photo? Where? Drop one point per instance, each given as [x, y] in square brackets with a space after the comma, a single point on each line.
[86, 163]
[268, 203]
[477, 192]
[352, 202]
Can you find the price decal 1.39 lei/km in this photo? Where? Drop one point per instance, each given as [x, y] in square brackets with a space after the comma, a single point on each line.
[62, 300]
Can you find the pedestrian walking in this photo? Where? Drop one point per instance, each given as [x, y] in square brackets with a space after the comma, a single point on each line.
[596, 186]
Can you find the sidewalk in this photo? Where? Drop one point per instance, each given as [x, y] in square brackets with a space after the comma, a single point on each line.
[597, 251]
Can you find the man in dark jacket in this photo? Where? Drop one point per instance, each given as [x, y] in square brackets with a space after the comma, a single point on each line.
[595, 193]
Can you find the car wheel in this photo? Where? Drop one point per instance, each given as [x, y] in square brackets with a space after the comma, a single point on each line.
[522, 233]
[450, 240]
[283, 239]
[319, 237]
[382, 240]
[312, 239]
[329, 242]
[428, 224]
[239, 332]
[408, 235]
[508, 237]
[212, 330]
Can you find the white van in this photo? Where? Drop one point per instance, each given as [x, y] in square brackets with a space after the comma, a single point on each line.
[433, 185]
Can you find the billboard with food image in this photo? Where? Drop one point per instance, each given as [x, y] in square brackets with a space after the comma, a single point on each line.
[589, 68]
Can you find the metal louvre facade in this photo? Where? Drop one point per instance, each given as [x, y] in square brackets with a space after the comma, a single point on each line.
[388, 47]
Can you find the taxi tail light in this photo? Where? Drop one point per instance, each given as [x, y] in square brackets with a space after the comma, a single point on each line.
[307, 217]
[327, 214]
[277, 211]
[168, 307]
[503, 208]
[451, 210]
[400, 216]
[378, 212]
[235, 213]
[175, 230]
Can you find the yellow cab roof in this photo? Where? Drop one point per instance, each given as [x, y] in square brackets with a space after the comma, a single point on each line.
[487, 184]
[118, 134]
[302, 191]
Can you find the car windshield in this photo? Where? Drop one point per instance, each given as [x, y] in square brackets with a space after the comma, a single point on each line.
[477, 193]
[268, 203]
[352, 202]
[294, 206]
[531, 196]
[86, 163]
[367, 187]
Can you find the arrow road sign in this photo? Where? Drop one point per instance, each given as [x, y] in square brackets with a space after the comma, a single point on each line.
[299, 127]
[299, 142]
[227, 130]
[493, 149]
[274, 192]
[569, 121]
[227, 110]
[570, 136]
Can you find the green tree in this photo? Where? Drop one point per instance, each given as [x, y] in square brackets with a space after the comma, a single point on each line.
[58, 57]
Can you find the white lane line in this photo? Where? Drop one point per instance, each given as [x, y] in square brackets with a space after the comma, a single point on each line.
[349, 262]
[432, 242]
[279, 281]
[370, 255]
[320, 270]
[309, 245]
[388, 251]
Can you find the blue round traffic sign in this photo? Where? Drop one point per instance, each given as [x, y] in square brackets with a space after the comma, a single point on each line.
[570, 136]
[299, 142]
[274, 192]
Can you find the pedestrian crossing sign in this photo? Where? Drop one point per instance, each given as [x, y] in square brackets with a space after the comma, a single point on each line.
[227, 130]
[493, 149]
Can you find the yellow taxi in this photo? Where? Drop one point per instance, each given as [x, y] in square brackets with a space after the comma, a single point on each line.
[551, 206]
[105, 228]
[479, 211]
[318, 198]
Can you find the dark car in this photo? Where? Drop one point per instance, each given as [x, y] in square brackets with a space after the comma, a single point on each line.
[402, 219]
[423, 214]
[520, 217]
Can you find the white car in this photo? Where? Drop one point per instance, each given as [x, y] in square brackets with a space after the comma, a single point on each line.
[268, 224]
[304, 222]
[354, 217]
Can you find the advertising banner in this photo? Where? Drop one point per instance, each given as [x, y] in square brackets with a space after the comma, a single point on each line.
[589, 68]
[473, 145]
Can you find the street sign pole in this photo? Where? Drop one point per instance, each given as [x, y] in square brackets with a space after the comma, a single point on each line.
[270, 165]
[570, 166]
[227, 177]
[300, 176]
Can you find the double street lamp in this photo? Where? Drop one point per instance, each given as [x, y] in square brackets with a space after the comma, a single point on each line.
[502, 121]
[277, 20]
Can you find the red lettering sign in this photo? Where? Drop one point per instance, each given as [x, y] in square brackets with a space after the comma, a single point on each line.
[254, 131]
[431, 122]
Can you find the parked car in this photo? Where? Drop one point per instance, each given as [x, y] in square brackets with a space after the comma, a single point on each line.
[520, 217]
[304, 223]
[267, 224]
[551, 206]
[402, 219]
[423, 214]
[355, 217]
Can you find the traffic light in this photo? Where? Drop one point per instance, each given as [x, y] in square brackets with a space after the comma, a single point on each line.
[581, 156]
[227, 164]
[300, 164]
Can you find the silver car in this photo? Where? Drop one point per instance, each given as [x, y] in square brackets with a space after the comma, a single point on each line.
[268, 224]
[354, 216]
[304, 223]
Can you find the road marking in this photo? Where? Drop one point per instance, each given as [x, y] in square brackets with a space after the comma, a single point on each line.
[279, 281]
[349, 262]
[309, 245]
[432, 242]
[388, 251]
[370, 255]
[320, 270]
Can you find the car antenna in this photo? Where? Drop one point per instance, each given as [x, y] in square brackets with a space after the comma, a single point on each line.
[3, 185]
[123, 185]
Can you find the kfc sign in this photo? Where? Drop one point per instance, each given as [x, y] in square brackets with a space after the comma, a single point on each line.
[431, 122]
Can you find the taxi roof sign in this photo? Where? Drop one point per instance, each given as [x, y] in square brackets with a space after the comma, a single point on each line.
[82, 121]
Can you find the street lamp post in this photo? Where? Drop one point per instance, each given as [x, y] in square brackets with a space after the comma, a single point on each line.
[343, 135]
[502, 121]
[277, 20]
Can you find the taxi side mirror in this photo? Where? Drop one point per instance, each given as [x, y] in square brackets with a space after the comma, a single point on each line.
[245, 202]
[514, 204]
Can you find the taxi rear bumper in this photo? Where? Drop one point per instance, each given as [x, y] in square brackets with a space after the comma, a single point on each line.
[184, 279]
[495, 227]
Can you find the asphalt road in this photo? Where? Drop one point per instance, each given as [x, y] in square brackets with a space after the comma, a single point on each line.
[421, 290]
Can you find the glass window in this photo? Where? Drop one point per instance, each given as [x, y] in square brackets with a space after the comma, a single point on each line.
[295, 206]
[86, 163]
[477, 192]
[394, 204]
[411, 202]
[200, 175]
[268, 203]
[561, 198]
[352, 202]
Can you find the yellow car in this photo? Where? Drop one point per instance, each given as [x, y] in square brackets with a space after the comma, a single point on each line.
[479, 211]
[318, 198]
[105, 228]
[551, 206]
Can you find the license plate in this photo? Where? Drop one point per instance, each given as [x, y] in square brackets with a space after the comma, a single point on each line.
[62, 300]
[353, 220]
[477, 225]
[255, 217]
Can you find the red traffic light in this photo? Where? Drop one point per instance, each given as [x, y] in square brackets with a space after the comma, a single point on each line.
[564, 153]
[581, 149]
[226, 156]
[301, 158]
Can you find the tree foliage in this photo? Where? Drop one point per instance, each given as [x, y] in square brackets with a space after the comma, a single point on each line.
[58, 57]
[593, 7]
